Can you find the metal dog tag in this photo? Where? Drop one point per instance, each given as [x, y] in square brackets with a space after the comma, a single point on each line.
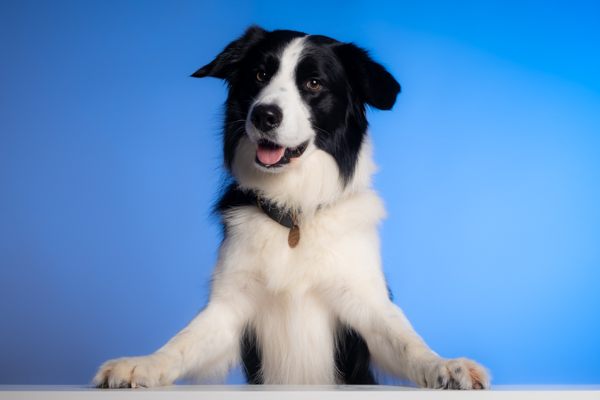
[294, 236]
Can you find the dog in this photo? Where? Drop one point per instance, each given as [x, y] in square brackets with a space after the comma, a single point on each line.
[298, 293]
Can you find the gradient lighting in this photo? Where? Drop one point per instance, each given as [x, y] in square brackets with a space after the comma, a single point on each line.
[490, 169]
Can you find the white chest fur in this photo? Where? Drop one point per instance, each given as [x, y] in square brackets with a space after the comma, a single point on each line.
[294, 324]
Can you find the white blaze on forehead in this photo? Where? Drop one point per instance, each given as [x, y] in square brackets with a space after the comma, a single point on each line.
[282, 90]
[289, 60]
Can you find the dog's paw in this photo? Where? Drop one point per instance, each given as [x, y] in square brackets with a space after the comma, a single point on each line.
[133, 372]
[459, 373]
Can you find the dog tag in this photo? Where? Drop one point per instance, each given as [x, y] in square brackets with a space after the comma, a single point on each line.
[294, 236]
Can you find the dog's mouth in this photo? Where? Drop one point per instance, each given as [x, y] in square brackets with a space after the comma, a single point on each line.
[272, 155]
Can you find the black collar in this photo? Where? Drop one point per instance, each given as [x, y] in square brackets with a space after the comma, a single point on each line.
[281, 216]
[235, 197]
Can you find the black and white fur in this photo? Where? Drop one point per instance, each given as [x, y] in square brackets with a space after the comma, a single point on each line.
[319, 313]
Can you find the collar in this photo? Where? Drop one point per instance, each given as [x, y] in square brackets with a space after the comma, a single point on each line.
[234, 196]
[283, 217]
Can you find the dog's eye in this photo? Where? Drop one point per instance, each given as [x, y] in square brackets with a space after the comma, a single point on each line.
[313, 84]
[261, 76]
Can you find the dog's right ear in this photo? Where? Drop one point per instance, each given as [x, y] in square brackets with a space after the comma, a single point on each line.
[226, 63]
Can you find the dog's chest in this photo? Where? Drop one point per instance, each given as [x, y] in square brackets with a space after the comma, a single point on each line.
[291, 288]
[328, 251]
[296, 337]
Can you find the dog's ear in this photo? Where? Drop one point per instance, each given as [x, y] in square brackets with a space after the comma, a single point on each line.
[374, 84]
[226, 63]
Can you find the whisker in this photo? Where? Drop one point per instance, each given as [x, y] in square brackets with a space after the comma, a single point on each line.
[239, 121]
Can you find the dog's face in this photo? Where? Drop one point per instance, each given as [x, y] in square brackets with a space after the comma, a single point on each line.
[292, 94]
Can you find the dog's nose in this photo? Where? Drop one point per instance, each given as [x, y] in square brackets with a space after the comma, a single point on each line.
[266, 117]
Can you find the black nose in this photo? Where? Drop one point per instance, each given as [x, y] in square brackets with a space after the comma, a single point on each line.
[266, 117]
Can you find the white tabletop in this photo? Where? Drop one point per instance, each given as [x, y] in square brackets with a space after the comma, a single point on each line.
[264, 392]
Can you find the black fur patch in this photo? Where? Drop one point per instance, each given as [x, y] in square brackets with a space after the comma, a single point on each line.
[352, 358]
[234, 197]
[251, 357]
[231, 197]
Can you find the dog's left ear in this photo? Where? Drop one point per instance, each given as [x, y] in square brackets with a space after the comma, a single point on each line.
[374, 84]
[226, 63]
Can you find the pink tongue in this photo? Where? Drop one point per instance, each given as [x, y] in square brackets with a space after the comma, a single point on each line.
[269, 155]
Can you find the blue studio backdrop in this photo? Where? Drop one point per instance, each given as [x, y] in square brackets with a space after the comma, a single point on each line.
[489, 166]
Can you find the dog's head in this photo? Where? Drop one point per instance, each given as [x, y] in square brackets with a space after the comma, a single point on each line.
[293, 94]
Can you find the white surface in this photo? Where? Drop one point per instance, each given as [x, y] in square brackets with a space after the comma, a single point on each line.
[222, 392]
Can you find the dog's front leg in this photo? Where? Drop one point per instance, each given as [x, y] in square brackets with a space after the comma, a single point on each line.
[398, 349]
[204, 349]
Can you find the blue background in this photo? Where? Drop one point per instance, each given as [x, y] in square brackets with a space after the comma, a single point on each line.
[490, 168]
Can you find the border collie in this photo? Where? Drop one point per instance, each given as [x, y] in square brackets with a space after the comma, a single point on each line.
[298, 294]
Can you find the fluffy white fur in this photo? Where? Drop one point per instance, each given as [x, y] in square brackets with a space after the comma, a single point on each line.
[295, 298]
